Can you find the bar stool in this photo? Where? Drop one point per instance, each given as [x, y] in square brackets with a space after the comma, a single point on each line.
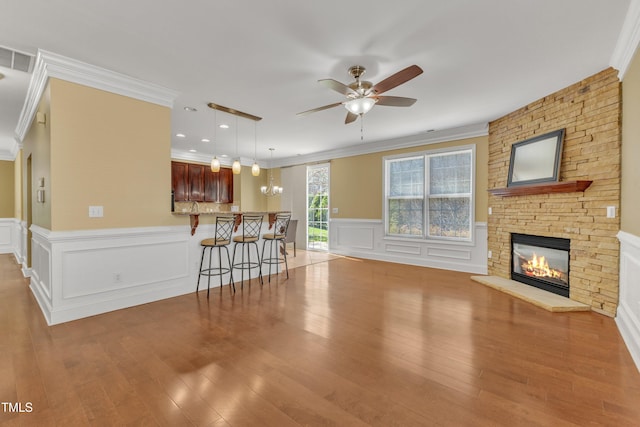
[279, 235]
[251, 226]
[221, 240]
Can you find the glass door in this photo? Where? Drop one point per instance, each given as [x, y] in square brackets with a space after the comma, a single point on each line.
[318, 207]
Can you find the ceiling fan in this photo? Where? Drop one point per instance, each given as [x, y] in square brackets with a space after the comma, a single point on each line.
[363, 95]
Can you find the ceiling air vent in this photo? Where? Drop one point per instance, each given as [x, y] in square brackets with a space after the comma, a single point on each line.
[16, 60]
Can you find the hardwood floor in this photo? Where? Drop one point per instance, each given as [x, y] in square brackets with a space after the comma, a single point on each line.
[346, 342]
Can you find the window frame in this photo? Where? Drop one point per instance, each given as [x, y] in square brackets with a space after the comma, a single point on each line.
[425, 155]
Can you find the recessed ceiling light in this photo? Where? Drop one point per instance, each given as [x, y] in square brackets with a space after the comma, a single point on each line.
[180, 135]
[223, 155]
[190, 109]
[223, 126]
[193, 151]
[205, 140]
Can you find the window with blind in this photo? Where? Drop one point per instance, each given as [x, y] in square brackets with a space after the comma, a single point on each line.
[430, 195]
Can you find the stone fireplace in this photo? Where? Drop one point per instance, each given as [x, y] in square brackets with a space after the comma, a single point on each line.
[541, 261]
[590, 113]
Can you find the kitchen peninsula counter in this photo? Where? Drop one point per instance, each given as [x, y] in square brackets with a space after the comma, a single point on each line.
[194, 217]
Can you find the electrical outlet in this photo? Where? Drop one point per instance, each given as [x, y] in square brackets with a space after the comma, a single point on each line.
[490, 211]
[489, 254]
[117, 277]
[334, 210]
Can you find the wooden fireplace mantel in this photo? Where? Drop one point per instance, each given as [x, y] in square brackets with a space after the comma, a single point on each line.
[546, 188]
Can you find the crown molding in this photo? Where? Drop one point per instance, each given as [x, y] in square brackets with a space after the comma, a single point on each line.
[12, 151]
[434, 137]
[628, 40]
[50, 65]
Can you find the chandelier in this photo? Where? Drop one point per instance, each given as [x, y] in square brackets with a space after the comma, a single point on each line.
[271, 190]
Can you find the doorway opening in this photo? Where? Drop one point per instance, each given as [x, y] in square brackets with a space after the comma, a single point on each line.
[318, 207]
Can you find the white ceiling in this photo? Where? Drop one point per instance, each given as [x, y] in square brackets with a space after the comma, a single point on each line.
[481, 60]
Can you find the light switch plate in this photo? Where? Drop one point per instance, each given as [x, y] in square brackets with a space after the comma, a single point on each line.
[96, 211]
[611, 211]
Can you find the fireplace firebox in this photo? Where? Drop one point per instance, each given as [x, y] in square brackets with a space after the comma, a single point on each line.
[541, 261]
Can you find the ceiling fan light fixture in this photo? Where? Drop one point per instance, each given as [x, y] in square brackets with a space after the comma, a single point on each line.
[360, 105]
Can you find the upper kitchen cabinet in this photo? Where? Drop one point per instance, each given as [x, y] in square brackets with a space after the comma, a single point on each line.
[218, 186]
[196, 183]
[180, 181]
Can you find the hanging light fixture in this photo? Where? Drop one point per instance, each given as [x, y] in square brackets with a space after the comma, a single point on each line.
[215, 163]
[255, 169]
[271, 190]
[236, 167]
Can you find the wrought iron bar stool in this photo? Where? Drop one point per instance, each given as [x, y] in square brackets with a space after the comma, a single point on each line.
[221, 240]
[277, 238]
[251, 226]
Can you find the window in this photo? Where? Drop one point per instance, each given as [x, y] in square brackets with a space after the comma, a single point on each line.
[430, 195]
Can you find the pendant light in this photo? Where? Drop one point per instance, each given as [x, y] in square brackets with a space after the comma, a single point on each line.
[236, 167]
[255, 169]
[215, 163]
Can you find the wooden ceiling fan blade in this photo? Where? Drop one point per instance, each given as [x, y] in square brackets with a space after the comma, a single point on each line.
[397, 79]
[337, 86]
[324, 107]
[395, 101]
[350, 118]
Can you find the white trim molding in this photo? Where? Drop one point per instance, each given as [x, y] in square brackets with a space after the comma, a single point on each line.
[83, 273]
[628, 40]
[50, 64]
[628, 315]
[364, 238]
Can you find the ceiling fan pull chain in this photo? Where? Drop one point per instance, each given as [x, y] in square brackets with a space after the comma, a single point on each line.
[361, 127]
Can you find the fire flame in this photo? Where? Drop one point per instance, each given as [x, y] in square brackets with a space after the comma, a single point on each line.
[539, 267]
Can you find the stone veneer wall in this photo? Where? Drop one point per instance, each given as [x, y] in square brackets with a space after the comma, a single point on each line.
[590, 111]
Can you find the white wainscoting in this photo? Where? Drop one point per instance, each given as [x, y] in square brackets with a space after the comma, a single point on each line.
[628, 315]
[365, 238]
[7, 235]
[78, 274]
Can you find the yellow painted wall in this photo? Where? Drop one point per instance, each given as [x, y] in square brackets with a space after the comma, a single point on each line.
[7, 189]
[250, 199]
[630, 181]
[112, 151]
[36, 164]
[357, 187]
[17, 192]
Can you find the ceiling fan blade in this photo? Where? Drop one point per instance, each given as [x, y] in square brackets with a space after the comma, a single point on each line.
[395, 101]
[325, 107]
[350, 118]
[397, 79]
[337, 86]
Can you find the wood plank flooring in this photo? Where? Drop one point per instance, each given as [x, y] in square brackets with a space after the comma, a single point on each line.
[346, 342]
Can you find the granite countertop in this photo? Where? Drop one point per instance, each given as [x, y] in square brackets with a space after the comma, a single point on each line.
[224, 213]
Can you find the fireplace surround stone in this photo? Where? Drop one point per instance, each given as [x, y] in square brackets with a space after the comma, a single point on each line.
[590, 113]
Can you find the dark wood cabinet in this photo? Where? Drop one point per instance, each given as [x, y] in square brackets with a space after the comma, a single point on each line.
[196, 183]
[225, 186]
[180, 181]
[218, 186]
